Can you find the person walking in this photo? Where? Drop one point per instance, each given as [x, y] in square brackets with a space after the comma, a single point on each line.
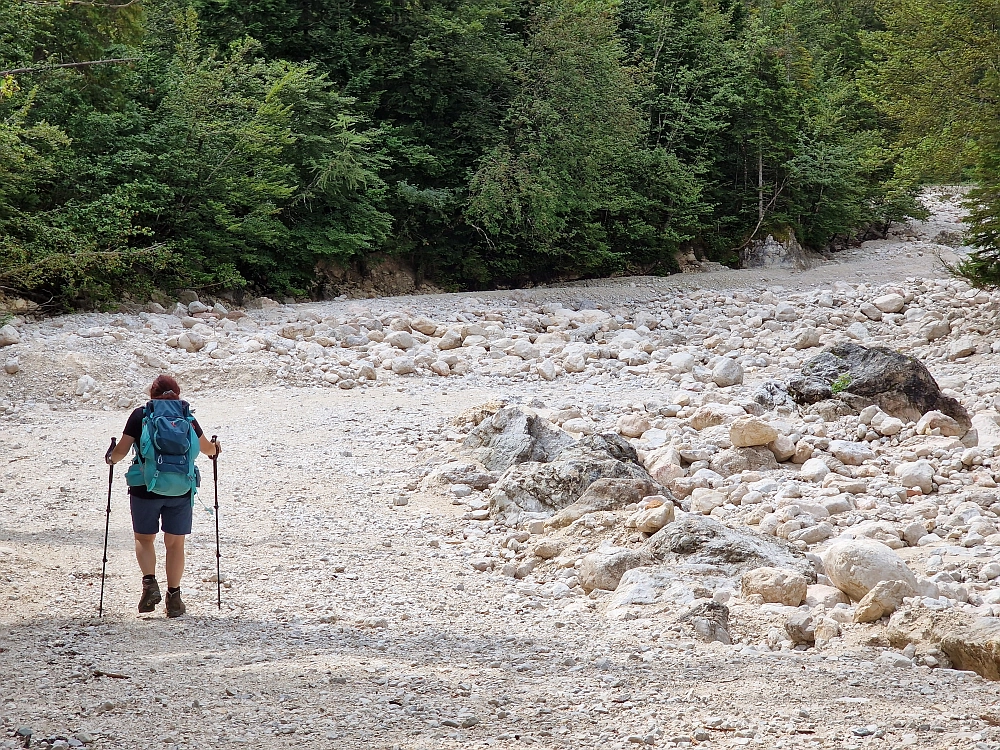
[161, 482]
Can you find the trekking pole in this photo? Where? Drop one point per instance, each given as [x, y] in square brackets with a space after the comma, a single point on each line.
[107, 524]
[218, 554]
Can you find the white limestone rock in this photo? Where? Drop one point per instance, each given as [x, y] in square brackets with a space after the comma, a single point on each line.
[747, 432]
[856, 566]
[890, 303]
[775, 585]
[727, 372]
[916, 474]
[814, 470]
[9, 336]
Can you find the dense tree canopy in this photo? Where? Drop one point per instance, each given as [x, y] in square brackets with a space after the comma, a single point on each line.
[245, 144]
[936, 71]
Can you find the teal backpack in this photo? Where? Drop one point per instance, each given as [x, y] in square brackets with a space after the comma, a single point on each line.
[164, 458]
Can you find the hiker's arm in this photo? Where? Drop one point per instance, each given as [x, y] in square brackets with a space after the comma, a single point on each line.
[121, 450]
[207, 446]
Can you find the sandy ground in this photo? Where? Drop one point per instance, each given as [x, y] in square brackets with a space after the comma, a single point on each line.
[350, 622]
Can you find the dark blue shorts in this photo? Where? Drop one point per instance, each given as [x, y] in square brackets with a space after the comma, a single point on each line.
[175, 512]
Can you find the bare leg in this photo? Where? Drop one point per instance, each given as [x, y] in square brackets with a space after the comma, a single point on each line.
[145, 553]
[175, 558]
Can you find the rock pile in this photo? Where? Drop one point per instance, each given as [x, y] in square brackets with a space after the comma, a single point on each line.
[855, 453]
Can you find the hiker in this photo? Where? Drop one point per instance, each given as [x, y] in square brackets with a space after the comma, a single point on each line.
[161, 481]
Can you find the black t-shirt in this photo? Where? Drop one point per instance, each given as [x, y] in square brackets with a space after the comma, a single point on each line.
[133, 428]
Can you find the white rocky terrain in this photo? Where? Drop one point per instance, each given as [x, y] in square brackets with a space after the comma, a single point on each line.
[730, 509]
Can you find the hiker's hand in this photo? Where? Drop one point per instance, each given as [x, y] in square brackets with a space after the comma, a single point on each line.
[107, 456]
[218, 447]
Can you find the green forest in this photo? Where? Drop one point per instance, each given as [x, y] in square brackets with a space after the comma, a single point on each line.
[241, 146]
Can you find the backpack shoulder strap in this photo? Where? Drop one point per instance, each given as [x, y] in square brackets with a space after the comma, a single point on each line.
[144, 438]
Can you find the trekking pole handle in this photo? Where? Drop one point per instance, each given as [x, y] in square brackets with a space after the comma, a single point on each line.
[107, 456]
[215, 442]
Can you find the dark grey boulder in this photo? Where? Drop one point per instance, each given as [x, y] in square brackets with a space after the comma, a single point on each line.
[899, 385]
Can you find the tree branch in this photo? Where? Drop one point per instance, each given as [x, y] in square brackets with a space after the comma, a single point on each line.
[43, 68]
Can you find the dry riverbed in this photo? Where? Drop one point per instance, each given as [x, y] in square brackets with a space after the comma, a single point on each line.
[365, 605]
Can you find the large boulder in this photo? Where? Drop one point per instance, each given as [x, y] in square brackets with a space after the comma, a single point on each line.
[968, 642]
[9, 335]
[857, 566]
[775, 585]
[900, 385]
[604, 568]
[749, 432]
[605, 494]
[514, 435]
[535, 489]
[704, 545]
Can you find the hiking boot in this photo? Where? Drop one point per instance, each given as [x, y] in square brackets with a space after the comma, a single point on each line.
[150, 594]
[175, 607]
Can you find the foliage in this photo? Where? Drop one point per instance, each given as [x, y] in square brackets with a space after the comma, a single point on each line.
[211, 168]
[934, 72]
[571, 133]
[841, 383]
[248, 146]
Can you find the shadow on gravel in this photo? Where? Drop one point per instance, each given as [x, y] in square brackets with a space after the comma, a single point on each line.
[90, 538]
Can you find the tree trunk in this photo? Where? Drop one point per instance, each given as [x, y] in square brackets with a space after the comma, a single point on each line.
[760, 187]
